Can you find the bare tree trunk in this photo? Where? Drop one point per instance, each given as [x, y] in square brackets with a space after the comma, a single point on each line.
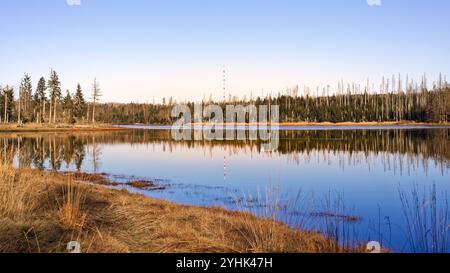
[19, 117]
[93, 112]
[6, 107]
[87, 113]
[54, 111]
[96, 94]
[50, 113]
[43, 111]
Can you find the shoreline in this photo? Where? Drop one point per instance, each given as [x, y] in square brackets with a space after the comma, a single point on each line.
[36, 128]
[106, 220]
[311, 124]
[365, 124]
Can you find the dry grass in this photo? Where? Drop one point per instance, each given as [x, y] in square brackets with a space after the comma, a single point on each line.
[70, 212]
[42, 212]
[16, 195]
[98, 179]
[145, 185]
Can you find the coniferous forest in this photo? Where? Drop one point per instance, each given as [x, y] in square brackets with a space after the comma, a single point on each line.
[394, 100]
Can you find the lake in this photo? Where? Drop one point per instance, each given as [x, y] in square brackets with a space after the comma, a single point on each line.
[343, 181]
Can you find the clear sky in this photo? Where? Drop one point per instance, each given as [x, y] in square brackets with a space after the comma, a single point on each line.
[145, 49]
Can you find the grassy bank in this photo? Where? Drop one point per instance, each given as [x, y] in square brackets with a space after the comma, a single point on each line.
[42, 212]
[34, 127]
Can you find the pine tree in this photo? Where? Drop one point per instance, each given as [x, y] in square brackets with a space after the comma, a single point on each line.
[24, 103]
[54, 86]
[68, 107]
[40, 99]
[79, 104]
[8, 103]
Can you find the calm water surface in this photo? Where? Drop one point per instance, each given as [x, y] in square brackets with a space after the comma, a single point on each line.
[315, 171]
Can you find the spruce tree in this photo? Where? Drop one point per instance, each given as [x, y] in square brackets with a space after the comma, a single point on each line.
[79, 104]
[68, 107]
[8, 101]
[40, 98]
[54, 86]
[24, 106]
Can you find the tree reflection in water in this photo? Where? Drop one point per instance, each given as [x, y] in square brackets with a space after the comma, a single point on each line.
[399, 150]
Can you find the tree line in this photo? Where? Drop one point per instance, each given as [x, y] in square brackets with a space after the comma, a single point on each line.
[46, 103]
[393, 100]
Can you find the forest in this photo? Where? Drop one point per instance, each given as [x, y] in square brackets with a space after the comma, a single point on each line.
[394, 100]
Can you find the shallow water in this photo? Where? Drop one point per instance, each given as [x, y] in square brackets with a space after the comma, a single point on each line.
[315, 171]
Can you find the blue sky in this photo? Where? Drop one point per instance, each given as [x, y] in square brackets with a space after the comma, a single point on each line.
[145, 49]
